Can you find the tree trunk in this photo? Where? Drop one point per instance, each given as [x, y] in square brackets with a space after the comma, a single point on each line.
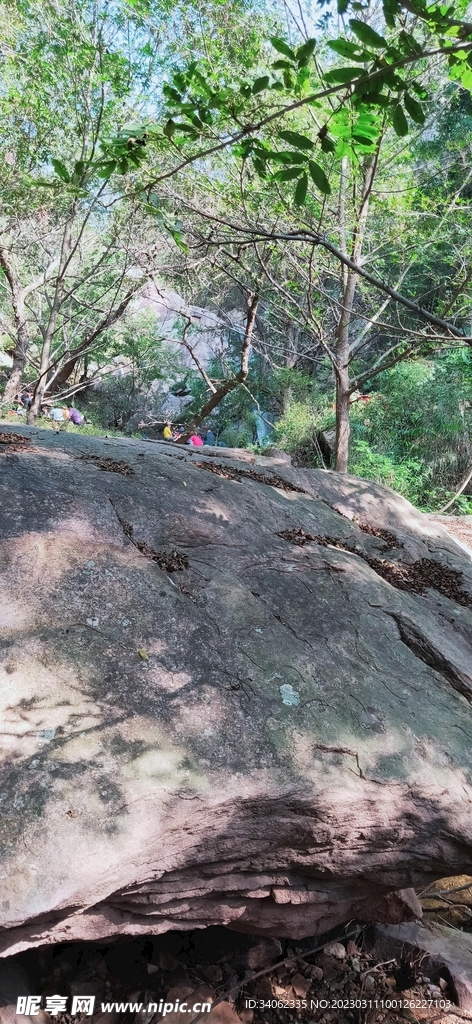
[14, 381]
[343, 428]
[349, 279]
[61, 377]
[229, 385]
[342, 375]
[43, 369]
[22, 339]
[64, 374]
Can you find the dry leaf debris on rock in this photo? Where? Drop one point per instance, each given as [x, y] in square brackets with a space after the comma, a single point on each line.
[14, 442]
[169, 561]
[255, 980]
[422, 575]
[108, 465]
[416, 577]
[274, 480]
[299, 537]
[377, 531]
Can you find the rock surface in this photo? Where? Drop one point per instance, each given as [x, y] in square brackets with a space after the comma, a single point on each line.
[234, 697]
[442, 947]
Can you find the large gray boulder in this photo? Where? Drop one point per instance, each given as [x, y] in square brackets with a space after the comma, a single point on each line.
[232, 693]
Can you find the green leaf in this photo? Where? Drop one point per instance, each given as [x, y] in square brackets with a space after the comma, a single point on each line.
[286, 157]
[289, 80]
[366, 34]
[420, 91]
[281, 65]
[344, 148]
[180, 80]
[391, 8]
[260, 84]
[303, 77]
[341, 76]
[180, 126]
[373, 99]
[399, 121]
[466, 79]
[294, 139]
[344, 48]
[414, 109]
[171, 94]
[362, 140]
[327, 144]
[409, 43]
[343, 6]
[288, 175]
[205, 115]
[367, 126]
[134, 131]
[259, 167]
[134, 158]
[79, 168]
[304, 52]
[60, 169]
[178, 238]
[106, 169]
[169, 128]
[282, 47]
[301, 190]
[319, 177]
[243, 149]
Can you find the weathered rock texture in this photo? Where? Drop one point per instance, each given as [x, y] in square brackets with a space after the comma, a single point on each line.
[438, 947]
[233, 697]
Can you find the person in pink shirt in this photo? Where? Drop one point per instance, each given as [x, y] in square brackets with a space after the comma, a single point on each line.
[196, 440]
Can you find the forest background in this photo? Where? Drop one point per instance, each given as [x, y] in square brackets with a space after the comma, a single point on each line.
[299, 173]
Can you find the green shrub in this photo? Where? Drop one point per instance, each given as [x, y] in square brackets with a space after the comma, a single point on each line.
[403, 477]
[462, 505]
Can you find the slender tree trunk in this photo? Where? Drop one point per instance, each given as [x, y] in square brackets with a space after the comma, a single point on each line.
[21, 328]
[343, 428]
[349, 279]
[44, 365]
[290, 359]
[343, 392]
[43, 368]
[16, 375]
[63, 374]
[229, 385]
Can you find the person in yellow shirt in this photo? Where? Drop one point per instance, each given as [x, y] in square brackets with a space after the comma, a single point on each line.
[167, 432]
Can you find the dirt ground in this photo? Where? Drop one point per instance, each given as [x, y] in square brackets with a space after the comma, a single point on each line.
[460, 527]
[246, 979]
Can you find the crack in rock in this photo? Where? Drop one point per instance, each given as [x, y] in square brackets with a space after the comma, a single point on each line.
[169, 561]
[274, 480]
[427, 652]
